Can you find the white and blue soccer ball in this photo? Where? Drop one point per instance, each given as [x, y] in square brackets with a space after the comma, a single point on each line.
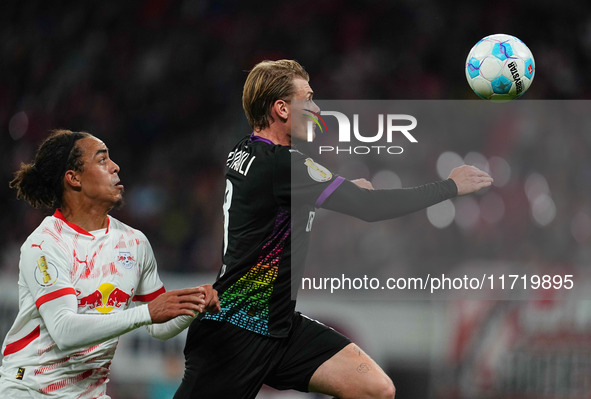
[500, 67]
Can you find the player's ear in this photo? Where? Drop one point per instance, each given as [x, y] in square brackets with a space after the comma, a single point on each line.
[72, 179]
[281, 109]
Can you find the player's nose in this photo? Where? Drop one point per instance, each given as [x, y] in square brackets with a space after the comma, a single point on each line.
[315, 107]
[115, 167]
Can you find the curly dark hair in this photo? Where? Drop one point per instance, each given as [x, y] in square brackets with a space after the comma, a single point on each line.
[40, 182]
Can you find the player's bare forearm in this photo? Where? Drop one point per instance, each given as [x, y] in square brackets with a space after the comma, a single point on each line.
[175, 303]
[470, 179]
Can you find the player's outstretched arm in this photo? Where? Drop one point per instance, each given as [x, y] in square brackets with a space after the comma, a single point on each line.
[72, 330]
[470, 179]
[357, 198]
[208, 302]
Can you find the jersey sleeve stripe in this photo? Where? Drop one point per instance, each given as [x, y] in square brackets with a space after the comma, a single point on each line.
[53, 295]
[329, 190]
[21, 343]
[149, 297]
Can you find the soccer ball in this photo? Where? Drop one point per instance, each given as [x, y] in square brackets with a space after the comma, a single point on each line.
[500, 67]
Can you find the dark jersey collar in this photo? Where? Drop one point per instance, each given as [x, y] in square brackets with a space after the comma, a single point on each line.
[259, 138]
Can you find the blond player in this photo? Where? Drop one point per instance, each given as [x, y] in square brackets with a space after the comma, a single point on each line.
[80, 270]
[272, 193]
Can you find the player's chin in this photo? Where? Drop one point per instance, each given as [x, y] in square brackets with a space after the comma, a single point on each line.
[119, 202]
[303, 136]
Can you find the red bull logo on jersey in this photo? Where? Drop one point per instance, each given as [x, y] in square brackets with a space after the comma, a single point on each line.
[106, 298]
[126, 259]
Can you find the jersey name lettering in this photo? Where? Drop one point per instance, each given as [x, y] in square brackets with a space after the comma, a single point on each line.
[238, 161]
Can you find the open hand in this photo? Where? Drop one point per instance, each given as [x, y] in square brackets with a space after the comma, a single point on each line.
[470, 179]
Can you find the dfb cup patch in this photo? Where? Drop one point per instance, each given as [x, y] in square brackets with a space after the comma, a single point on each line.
[45, 273]
[317, 172]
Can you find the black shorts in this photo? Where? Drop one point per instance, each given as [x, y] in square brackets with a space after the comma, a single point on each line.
[224, 361]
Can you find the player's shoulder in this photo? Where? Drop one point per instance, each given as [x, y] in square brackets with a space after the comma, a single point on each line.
[267, 153]
[266, 147]
[47, 237]
[299, 158]
[261, 146]
[118, 227]
[295, 154]
[286, 152]
[295, 159]
[49, 226]
[285, 157]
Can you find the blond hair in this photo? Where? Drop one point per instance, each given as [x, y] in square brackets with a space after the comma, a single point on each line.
[266, 83]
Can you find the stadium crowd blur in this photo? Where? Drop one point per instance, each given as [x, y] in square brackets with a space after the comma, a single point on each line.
[160, 82]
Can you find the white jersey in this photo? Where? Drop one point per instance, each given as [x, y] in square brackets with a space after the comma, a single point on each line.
[106, 270]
